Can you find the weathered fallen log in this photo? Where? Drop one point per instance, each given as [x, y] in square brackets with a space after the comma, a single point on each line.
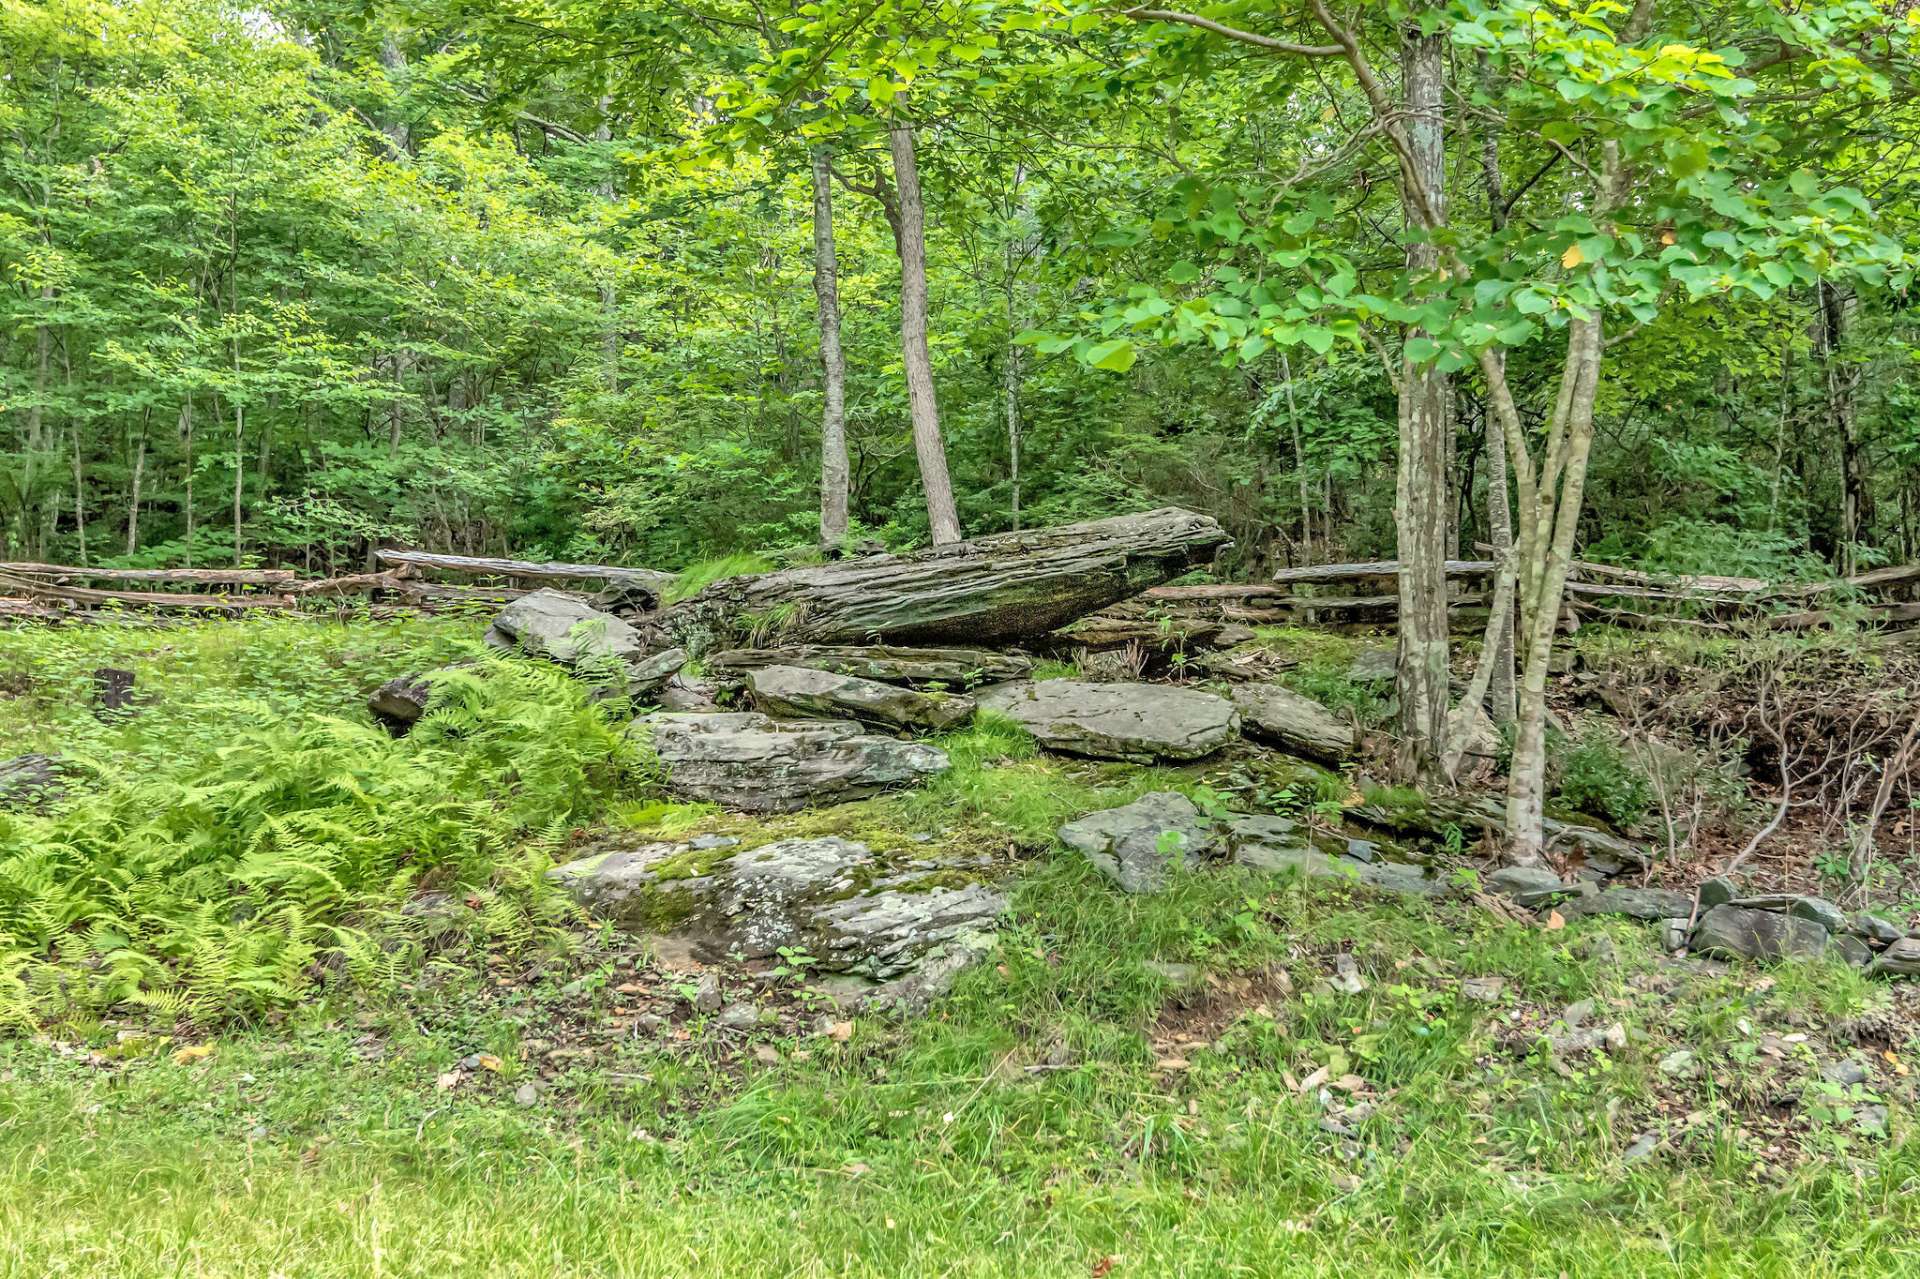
[991, 590]
[1371, 569]
[145, 599]
[644, 579]
[196, 576]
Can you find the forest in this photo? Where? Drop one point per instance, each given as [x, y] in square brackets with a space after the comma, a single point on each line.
[968, 637]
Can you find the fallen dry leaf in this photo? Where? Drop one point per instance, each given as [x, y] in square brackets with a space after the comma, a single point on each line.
[1104, 1267]
[192, 1052]
[1555, 922]
[490, 1062]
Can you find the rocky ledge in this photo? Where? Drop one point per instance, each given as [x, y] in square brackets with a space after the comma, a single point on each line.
[902, 923]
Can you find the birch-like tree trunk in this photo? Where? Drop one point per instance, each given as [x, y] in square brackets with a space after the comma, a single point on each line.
[909, 231]
[833, 361]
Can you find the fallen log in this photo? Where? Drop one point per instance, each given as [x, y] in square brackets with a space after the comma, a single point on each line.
[1372, 568]
[647, 580]
[956, 667]
[196, 576]
[148, 599]
[991, 590]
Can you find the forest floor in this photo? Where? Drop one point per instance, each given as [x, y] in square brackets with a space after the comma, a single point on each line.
[1190, 1083]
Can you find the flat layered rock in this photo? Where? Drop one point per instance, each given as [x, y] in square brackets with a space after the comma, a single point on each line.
[1272, 843]
[1139, 723]
[1137, 844]
[749, 761]
[957, 668]
[1646, 904]
[801, 690]
[1737, 932]
[853, 910]
[400, 702]
[29, 781]
[1278, 715]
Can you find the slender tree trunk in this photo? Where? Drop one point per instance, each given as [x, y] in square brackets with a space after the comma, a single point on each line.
[1421, 486]
[834, 470]
[1500, 532]
[133, 495]
[36, 416]
[1856, 498]
[239, 475]
[910, 234]
[79, 495]
[1299, 461]
[609, 294]
[186, 434]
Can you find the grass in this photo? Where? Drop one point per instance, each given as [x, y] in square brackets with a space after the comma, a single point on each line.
[322, 1146]
[1069, 1110]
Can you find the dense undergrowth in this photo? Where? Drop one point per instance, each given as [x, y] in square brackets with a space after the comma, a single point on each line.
[247, 831]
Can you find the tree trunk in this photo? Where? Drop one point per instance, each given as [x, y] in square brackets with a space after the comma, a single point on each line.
[79, 496]
[1856, 497]
[609, 294]
[910, 236]
[997, 589]
[1299, 462]
[833, 361]
[186, 434]
[1421, 485]
[133, 496]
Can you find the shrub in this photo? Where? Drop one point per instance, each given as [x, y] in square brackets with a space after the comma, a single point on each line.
[1597, 777]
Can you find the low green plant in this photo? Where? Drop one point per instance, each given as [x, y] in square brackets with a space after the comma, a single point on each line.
[237, 880]
[1597, 777]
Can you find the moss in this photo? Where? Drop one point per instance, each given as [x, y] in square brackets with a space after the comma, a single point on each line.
[1404, 805]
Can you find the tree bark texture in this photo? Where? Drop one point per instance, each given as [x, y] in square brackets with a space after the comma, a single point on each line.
[833, 361]
[910, 234]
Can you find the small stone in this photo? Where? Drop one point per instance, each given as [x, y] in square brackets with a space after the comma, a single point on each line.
[1577, 1012]
[1881, 932]
[1135, 845]
[650, 1024]
[1846, 1072]
[1600, 949]
[1677, 1064]
[1483, 990]
[1717, 891]
[707, 995]
[1643, 1145]
[739, 1017]
[1346, 976]
[1676, 932]
[1820, 911]
[526, 1095]
[704, 842]
[766, 1054]
[1901, 959]
[1871, 1119]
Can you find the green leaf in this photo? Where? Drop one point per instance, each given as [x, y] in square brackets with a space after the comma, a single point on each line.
[1115, 356]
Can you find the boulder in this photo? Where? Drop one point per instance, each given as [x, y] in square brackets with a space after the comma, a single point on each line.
[806, 691]
[1736, 932]
[29, 781]
[850, 908]
[1901, 959]
[1134, 845]
[954, 667]
[1139, 723]
[1528, 885]
[1717, 891]
[401, 701]
[566, 629]
[1372, 664]
[751, 762]
[1648, 904]
[1276, 714]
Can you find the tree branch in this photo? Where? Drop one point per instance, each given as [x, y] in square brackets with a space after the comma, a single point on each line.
[1234, 33]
